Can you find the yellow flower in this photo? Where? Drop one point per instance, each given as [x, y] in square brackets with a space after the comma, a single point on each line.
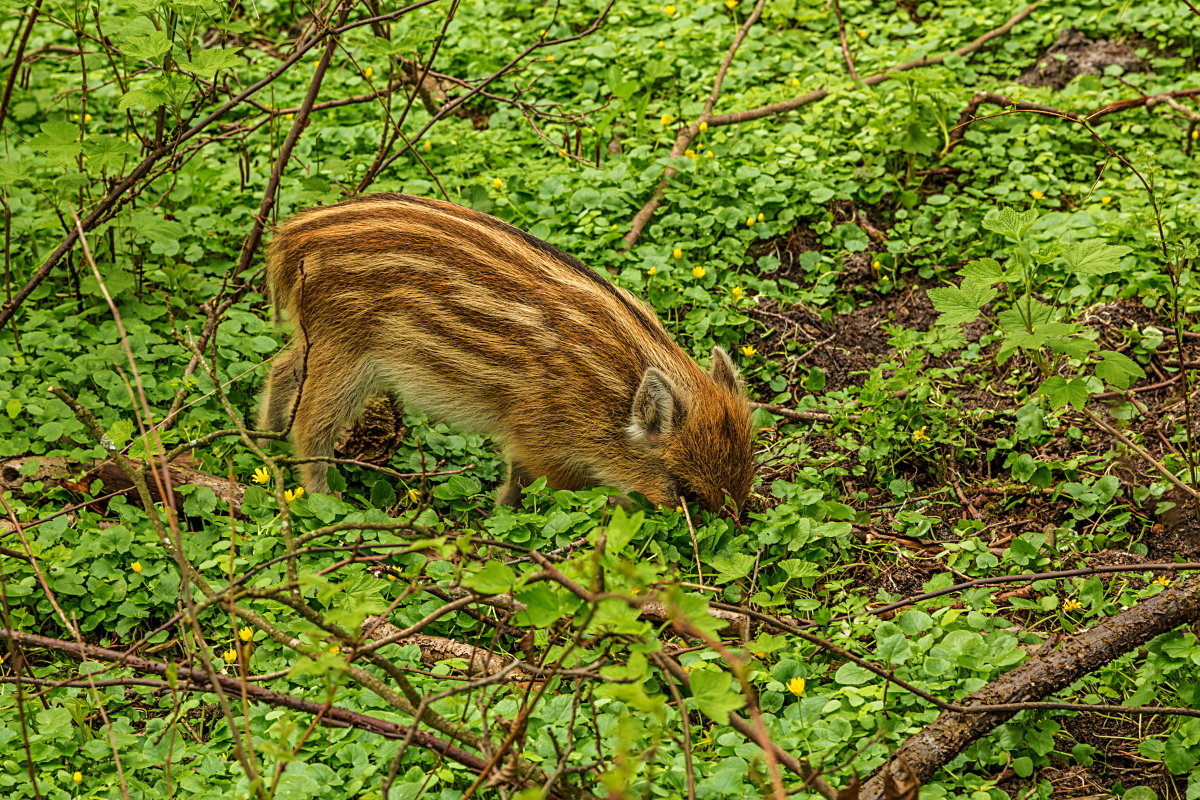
[794, 82]
[669, 10]
[497, 183]
[1195, 131]
[291, 494]
[454, 141]
[77, 777]
[1037, 195]
[542, 34]
[562, 152]
[368, 72]
[246, 634]
[731, 4]
[136, 566]
[749, 222]
[749, 350]
[652, 271]
[708, 153]
[677, 252]
[1106, 200]
[762, 217]
[635, 590]
[862, 34]
[699, 272]
[230, 656]
[88, 118]
[391, 576]
[662, 44]
[703, 127]
[666, 119]
[738, 293]
[414, 496]
[690, 153]
[261, 475]
[1071, 605]
[796, 686]
[1162, 580]
[919, 434]
[427, 146]
[550, 57]
[335, 649]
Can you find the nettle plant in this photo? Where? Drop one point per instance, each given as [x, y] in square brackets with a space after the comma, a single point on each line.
[1072, 365]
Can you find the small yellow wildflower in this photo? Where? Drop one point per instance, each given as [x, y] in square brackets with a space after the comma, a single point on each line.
[749, 350]
[550, 57]
[1071, 605]
[136, 566]
[1037, 194]
[678, 509]
[708, 153]
[652, 271]
[246, 634]
[666, 119]
[919, 434]
[1106, 200]
[291, 494]
[687, 670]
[615, 228]
[749, 222]
[230, 656]
[427, 146]
[635, 590]
[862, 34]
[796, 686]
[662, 44]
[762, 217]
[1195, 131]
[876, 265]
[335, 650]
[703, 127]
[414, 496]
[731, 4]
[677, 252]
[88, 118]
[77, 777]
[699, 272]
[562, 152]
[261, 475]
[391, 576]
[542, 34]
[669, 10]
[497, 183]
[794, 82]
[738, 293]
[690, 153]
[454, 141]
[1162, 580]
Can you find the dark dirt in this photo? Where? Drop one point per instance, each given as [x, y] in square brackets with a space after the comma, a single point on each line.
[1074, 54]
[1116, 759]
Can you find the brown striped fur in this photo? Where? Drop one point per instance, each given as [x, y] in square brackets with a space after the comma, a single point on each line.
[485, 327]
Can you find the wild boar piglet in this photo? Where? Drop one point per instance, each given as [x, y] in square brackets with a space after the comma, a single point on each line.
[487, 328]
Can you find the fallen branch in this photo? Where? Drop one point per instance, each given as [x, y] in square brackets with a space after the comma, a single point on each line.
[931, 749]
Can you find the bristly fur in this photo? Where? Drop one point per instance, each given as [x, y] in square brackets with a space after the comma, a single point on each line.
[486, 327]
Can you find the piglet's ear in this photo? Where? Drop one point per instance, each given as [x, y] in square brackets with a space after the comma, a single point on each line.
[724, 372]
[654, 407]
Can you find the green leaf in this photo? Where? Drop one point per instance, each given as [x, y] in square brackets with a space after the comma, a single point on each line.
[57, 139]
[621, 529]
[851, 674]
[151, 47]
[1118, 370]
[1023, 766]
[1074, 346]
[541, 606]
[13, 407]
[960, 304]
[107, 152]
[985, 270]
[146, 98]
[496, 578]
[714, 695]
[120, 432]
[1094, 257]
[207, 63]
[1011, 223]
[1062, 392]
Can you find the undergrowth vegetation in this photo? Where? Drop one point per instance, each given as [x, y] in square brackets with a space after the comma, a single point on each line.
[963, 307]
